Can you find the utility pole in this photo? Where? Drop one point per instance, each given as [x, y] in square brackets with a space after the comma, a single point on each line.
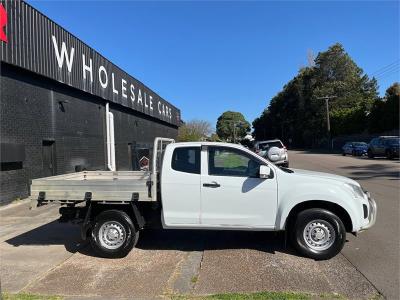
[234, 132]
[328, 121]
[234, 129]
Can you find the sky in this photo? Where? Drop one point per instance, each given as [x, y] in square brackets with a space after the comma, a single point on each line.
[207, 57]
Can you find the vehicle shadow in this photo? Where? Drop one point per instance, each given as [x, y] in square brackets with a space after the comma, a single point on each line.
[203, 240]
[55, 233]
[359, 172]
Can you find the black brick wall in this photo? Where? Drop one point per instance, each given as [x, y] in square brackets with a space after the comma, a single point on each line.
[33, 109]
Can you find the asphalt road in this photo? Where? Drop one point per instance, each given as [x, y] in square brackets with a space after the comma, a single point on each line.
[375, 253]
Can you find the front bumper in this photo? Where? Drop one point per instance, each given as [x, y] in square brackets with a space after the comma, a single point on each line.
[372, 209]
[361, 152]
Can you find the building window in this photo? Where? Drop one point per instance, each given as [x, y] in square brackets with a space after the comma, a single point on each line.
[9, 166]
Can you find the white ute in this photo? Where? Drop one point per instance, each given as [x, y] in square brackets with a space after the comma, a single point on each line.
[202, 185]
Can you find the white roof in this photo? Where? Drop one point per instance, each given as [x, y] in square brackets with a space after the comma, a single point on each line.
[198, 144]
[268, 141]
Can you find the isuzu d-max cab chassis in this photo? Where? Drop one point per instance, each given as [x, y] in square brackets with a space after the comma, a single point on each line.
[202, 185]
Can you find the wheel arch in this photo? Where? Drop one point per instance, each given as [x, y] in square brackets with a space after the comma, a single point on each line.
[330, 206]
[130, 209]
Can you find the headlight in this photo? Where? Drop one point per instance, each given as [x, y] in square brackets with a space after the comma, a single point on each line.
[356, 190]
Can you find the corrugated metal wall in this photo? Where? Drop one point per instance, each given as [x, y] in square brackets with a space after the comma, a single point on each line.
[30, 46]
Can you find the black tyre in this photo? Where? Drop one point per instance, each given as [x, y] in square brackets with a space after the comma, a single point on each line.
[113, 234]
[353, 153]
[389, 154]
[370, 154]
[318, 234]
[343, 153]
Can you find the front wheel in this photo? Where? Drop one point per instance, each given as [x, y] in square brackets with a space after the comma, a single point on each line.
[318, 234]
[113, 234]
[370, 154]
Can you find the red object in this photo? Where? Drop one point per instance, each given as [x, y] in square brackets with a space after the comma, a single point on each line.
[3, 23]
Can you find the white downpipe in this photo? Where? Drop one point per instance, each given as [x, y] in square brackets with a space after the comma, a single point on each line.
[110, 139]
[112, 142]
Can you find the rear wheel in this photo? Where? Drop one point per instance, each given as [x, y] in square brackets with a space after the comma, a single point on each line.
[318, 234]
[344, 153]
[353, 153]
[389, 154]
[113, 234]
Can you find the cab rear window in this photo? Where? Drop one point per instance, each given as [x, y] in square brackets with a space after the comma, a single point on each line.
[186, 159]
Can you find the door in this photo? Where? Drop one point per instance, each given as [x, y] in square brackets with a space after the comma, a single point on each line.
[48, 158]
[180, 185]
[348, 147]
[232, 194]
[380, 147]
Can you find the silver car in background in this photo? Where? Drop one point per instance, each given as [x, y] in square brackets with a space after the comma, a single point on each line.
[273, 150]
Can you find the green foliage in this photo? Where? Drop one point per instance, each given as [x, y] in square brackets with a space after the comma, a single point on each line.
[231, 124]
[385, 112]
[26, 296]
[259, 296]
[214, 138]
[195, 130]
[297, 114]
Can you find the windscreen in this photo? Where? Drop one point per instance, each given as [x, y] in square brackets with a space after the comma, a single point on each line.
[395, 141]
[267, 145]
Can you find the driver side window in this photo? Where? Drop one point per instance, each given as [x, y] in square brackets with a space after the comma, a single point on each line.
[223, 161]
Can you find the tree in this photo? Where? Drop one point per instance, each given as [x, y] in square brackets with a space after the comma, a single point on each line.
[384, 114]
[194, 130]
[214, 138]
[232, 125]
[298, 114]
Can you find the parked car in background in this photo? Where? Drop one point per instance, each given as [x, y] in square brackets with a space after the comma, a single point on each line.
[384, 146]
[355, 148]
[273, 150]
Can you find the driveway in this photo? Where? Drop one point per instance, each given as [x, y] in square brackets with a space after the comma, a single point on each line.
[375, 253]
[40, 255]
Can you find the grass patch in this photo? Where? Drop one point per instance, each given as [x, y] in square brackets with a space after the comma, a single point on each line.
[26, 296]
[261, 296]
[256, 296]
[194, 279]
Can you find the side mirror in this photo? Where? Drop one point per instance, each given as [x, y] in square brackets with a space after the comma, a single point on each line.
[265, 172]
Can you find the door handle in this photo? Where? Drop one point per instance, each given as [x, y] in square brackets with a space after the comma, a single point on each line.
[212, 185]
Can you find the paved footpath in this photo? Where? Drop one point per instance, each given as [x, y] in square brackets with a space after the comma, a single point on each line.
[42, 256]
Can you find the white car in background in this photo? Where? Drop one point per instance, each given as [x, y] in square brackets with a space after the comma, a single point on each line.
[273, 150]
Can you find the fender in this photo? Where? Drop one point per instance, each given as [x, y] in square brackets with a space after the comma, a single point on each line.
[308, 192]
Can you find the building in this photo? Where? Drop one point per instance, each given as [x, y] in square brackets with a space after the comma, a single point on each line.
[65, 108]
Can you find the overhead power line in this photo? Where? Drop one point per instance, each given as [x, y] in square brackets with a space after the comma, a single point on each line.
[392, 69]
[386, 68]
[390, 74]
